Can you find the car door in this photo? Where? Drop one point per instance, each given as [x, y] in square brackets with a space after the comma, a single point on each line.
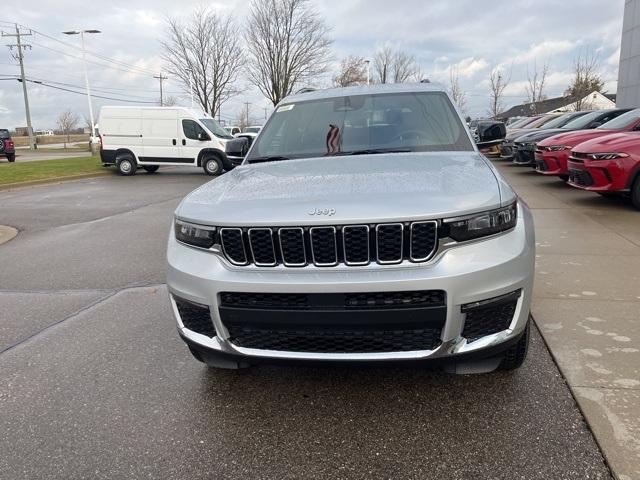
[160, 136]
[193, 139]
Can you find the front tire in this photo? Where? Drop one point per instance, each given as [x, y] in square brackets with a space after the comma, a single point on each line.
[212, 165]
[514, 357]
[635, 193]
[151, 168]
[564, 178]
[11, 157]
[126, 164]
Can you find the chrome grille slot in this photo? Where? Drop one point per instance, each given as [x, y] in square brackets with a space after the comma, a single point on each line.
[424, 238]
[292, 247]
[233, 245]
[355, 242]
[323, 246]
[262, 248]
[389, 242]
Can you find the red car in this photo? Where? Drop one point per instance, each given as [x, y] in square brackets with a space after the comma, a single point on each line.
[7, 148]
[552, 154]
[608, 165]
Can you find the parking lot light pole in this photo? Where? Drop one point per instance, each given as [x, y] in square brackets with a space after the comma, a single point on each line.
[367, 62]
[190, 85]
[86, 76]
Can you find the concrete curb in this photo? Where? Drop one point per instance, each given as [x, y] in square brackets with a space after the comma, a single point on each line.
[7, 233]
[11, 186]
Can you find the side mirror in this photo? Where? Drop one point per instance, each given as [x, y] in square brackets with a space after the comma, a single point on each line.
[236, 149]
[595, 124]
[490, 133]
[203, 136]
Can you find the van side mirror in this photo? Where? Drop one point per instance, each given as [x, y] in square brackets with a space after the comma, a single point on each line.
[490, 133]
[203, 136]
[237, 148]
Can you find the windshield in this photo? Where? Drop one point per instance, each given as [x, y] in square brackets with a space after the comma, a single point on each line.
[623, 121]
[4, 134]
[420, 121]
[215, 128]
[562, 120]
[583, 121]
[519, 123]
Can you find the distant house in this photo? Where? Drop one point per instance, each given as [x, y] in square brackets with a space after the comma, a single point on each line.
[22, 131]
[44, 133]
[593, 101]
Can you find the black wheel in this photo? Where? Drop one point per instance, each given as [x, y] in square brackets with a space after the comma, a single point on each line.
[212, 165]
[564, 178]
[11, 157]
[607, 194]
[151, 168]
[635, 193]
[514, 357]
[126, 164]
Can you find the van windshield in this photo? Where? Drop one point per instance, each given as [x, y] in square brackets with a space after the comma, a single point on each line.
[215, 128]
[350, 125]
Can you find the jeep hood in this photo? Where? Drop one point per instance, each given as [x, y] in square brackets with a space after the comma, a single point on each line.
[354, 189]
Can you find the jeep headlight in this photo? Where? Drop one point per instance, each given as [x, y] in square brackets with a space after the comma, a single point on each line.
[483, 224]
[197, 235]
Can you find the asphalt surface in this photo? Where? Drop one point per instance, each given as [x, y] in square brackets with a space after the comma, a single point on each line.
[95, 383]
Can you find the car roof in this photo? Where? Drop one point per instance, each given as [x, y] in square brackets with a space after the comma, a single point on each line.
[336, 92]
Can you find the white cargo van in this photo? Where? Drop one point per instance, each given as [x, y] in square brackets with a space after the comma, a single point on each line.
[148, 137]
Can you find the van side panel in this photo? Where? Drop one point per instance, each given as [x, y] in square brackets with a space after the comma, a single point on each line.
[120, 128]
[161, 137]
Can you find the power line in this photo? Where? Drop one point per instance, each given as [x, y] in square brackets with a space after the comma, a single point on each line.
[161, 78]
[44, 84]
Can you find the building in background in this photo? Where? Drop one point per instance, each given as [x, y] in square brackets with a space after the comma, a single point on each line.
[593, 101]
[629, 72]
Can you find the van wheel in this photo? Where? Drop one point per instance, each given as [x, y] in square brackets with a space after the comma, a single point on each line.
[635, 193]
[126, 164]
[11, 157]
[514, 357]
[212, 165]
[151, 168]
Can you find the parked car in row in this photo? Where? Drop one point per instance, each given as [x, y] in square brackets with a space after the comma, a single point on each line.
[508, 150]
[608, 165]
[525, 145]
[552, 154]
[7, 147]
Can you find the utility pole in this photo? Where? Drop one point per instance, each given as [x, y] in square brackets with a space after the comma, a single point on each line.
[246, 104]
[20, 58]
[265, 112]
[161, 78]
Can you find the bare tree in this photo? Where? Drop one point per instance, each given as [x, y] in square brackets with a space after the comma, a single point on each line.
[536, 83]
[170, 101]
[242, 119]
[353, 71]
[586, 79]
[459, 96]
[394, 66]
[498, 82]
[66, 122]
[383, 64]
[288, 46]
[205, 52]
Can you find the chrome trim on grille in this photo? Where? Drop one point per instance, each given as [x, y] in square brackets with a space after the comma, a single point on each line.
[344, 245]
[244, 250]
[304, 250]
[435, 243]
[335, 245]
[273, 249]
[390, 262]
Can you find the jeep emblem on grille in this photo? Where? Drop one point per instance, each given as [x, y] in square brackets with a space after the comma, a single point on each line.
[322, 211]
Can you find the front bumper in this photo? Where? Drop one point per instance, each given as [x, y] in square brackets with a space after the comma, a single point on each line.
[468, 273]
[524, 155]
[600, 175]
[552, 163]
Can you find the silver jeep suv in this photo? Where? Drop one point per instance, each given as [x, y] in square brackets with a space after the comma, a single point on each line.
[362, 226]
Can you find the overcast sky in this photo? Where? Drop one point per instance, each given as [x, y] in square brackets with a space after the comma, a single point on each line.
[476, 36]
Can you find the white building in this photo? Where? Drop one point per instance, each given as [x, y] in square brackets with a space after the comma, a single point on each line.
[629, 72]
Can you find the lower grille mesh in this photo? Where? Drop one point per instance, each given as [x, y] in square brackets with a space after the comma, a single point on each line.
[484, 321]
[349, 341]
[195, 317]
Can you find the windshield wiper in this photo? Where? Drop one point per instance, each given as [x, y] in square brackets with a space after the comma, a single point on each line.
[370, 151]
[267, 158]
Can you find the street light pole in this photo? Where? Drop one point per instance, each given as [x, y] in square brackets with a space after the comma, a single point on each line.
[190, 85]
[367, 62]
[86, 75]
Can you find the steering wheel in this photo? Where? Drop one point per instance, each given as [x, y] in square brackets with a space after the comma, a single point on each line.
[408, 133]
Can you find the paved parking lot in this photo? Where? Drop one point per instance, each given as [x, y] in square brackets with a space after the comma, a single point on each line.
[97, 384]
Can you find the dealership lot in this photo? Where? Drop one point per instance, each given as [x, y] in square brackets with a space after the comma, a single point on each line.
[97, 383]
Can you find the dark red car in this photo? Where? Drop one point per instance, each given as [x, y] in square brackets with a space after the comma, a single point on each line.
[608, 165]
[7, 148]
[552, 154]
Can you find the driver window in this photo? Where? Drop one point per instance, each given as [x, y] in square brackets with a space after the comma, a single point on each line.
[191, 129]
